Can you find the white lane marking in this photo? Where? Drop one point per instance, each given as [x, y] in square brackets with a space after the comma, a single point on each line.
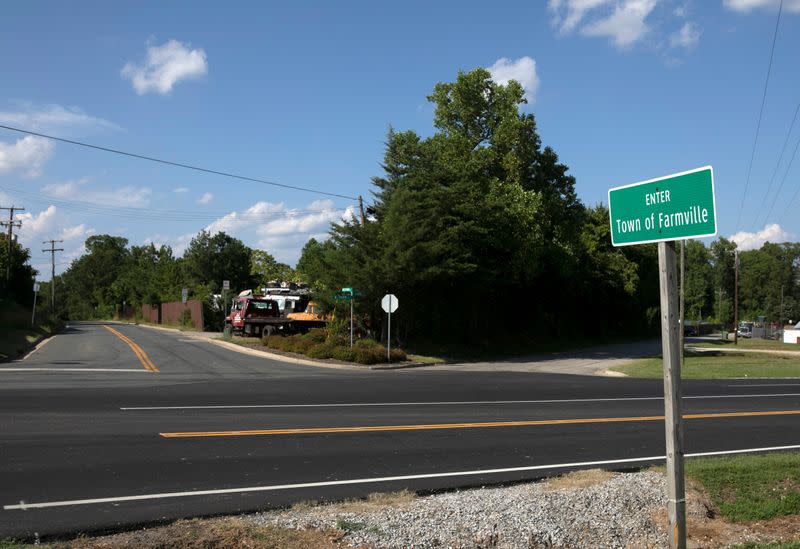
[72, 370]
[768, 385]
[276, 487]
[441, 403]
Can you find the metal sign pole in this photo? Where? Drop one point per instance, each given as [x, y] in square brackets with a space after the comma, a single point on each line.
[33, 313]
[351, 321]
[673, 420]
[389, 334]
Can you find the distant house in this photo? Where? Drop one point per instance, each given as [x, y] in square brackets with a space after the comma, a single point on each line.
[792, 335]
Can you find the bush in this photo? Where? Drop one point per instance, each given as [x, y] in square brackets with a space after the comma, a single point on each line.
[344, 353]
[321, 350]
[338, 327]
[367, 343]
[186, 319]
[369, 355]
[317, 335]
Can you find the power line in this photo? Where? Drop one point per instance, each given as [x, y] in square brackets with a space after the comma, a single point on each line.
[777, 165]
[783, 180]
[176, 164]
[173, 215]
[760, 115]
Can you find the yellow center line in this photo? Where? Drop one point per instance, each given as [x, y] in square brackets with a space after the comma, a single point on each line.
[374, 428]
[138, 351]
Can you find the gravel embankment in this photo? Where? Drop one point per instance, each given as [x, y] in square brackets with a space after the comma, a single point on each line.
[616, 513]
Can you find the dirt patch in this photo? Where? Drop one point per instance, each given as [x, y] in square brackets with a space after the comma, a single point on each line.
[211, 534]
[704, 527]
[577, 480]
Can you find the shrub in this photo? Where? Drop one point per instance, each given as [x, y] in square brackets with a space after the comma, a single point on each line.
[369, 355]
[321, 350]
[186, 319]
[344, 353]
[367, 343]
[398, 355]
[300, 344]
[316, 335]
[338, 327]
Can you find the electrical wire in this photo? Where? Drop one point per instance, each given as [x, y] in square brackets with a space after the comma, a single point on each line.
[783, 180]
[760, 116]
[91, 208]
[777, 165]
[176, 164]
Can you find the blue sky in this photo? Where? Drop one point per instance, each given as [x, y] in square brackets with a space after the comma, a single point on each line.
[302, 93]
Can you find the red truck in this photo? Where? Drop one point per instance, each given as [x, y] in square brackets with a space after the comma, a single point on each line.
[254, 315]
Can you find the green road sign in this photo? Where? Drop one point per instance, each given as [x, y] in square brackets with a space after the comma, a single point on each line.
[339, 297]
[674, 207]
[348, 290]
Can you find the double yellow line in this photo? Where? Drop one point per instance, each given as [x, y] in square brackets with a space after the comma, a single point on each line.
[483, 425]
[138, 351]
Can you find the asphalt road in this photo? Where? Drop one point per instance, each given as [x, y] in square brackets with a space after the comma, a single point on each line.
[102, 430]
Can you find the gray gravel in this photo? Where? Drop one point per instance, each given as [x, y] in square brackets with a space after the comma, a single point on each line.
[616, 513]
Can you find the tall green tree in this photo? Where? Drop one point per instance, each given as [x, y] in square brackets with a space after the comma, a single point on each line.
[699, 289]
[477, 228]
[210, 259]
[19, 287]
[265, 268]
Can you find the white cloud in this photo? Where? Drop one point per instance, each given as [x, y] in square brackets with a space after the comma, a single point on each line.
[687, 37]
[680, 11]
[238, 221]
[746, 6]
[523, 70]
[35, 225]
[626, 25]
[44, 225]
[752, 241]
[205, 199]
[27, 155]
[54, 119]
[576, 10]
[180, 190]
[165, 66]
[77, 231]
[127, 196]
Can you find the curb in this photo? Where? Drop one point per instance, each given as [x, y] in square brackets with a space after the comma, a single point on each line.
[283, 358]
[403, 366]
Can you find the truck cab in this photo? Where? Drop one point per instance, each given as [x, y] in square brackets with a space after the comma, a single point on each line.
[251, 314]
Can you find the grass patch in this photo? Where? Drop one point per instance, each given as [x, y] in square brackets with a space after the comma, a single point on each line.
[746, 488]
[349, 525]
[755, 344]
[206, 534]
[426, 359]
[17, 336]
[779, 545]
[14, 544]
[718, 366]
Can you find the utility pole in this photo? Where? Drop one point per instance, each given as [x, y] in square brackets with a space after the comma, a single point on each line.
[719, 314]
[736, 298]
[361, 209]
[52, 249]
[682, 311]
[673, 419]
[780, 314]
[10, 224]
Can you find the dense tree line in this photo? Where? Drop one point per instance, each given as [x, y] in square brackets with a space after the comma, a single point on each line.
[112, 274]
[16, 283]
[478, 231]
